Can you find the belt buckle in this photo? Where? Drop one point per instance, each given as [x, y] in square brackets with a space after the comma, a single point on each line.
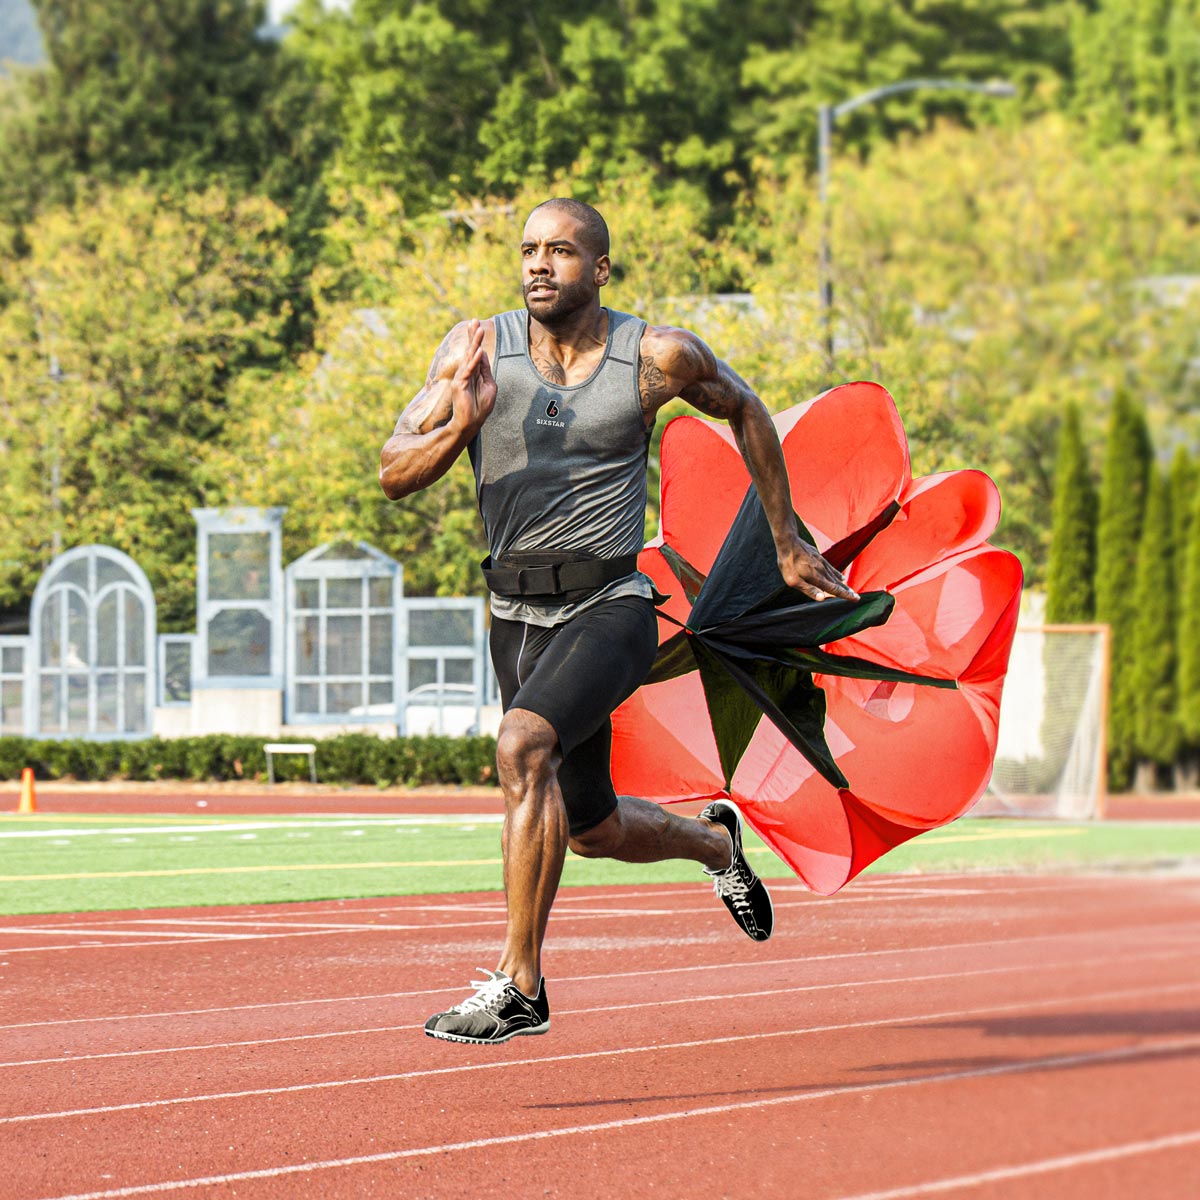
[538, 581]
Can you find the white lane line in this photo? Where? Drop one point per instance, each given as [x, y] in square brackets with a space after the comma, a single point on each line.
[718, 998]
[1025, 1066]
[87, 931]
[245, 826]
[990, 943]
[840, 1027]
[1064, 1162]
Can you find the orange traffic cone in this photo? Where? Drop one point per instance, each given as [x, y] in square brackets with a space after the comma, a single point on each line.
[28, 800]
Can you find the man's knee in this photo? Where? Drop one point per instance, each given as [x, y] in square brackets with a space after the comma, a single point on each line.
[526, 749]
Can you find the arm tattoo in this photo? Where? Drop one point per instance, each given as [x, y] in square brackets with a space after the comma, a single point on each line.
[713, 397]
[438, 358]
[653, 385]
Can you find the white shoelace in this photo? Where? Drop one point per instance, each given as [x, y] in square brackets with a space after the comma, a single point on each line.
[488, 992]
[732, 884]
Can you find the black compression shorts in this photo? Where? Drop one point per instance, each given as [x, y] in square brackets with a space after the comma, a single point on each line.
[574, 675]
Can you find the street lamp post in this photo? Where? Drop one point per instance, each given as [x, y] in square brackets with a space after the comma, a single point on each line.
[827, 114]
[56, 377]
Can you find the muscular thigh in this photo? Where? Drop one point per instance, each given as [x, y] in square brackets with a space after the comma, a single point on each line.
[574, 676]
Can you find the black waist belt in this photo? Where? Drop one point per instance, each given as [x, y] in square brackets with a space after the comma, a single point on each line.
[564, 578]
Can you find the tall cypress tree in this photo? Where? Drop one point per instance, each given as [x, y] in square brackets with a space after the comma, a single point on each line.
[1127, 457]
[1152, 675]
[1189, 644]
[1070, 574]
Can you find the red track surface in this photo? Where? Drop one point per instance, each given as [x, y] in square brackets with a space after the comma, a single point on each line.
[982, 1037]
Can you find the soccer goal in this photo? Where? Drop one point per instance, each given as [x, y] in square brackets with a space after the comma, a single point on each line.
[1050, 754]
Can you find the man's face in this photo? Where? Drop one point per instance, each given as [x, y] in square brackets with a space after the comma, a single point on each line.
[560, 274]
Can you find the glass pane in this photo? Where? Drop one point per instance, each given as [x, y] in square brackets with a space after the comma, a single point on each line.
[12, 718]
[108, 571]
[308, 593]
[239, 566]
[51, 631]
[307, 699]
[106, 703]
[381, 592]
[239, 643]
[381, 645]
[343, 645]
[308, 633]
[381, 693]
[343, 697]
[441, 627]
[75, 572]
[49, 702]
[342, 552]
[343, 593]
[177, 672]
[12, 660]
[135, 702]
[106, 631]
[421, 671]
[135, 631]
[77, 631]
[460, 670]
[77, 704]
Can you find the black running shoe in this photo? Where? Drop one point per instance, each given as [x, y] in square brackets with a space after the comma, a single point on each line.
[743, 892]
[497, 1012]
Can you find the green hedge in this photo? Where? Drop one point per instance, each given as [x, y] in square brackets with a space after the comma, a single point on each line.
[348, 758]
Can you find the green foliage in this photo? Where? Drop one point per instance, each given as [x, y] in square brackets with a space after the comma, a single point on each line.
[149, 307]
[1153, 669]
[1189, 632]
[1127, 458]
[1070, 573]
[183, 94]
[346, 758]
[1137, 70]
[482, 96]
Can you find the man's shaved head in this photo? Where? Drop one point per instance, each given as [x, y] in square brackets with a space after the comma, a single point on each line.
[595, 231]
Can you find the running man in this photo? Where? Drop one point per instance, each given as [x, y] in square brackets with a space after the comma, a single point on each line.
[558, 432]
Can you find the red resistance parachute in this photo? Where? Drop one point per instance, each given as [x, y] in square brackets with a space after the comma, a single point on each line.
[880, 728]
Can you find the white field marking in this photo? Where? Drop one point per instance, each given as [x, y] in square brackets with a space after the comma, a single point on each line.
[572, 1012]
[1025, 1066]
[246, 826]
[990, 943]
[1064, 1162]
[58, 930]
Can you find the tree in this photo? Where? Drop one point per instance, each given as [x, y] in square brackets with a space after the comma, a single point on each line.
[1189, 644]
[1127, 458]
[1070, 575]
[185, 91]
[125, 323]
[1152, 674]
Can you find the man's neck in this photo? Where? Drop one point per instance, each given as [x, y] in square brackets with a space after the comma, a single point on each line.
[574, 335]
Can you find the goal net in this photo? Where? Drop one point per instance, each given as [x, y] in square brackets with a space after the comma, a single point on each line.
[1050, 753]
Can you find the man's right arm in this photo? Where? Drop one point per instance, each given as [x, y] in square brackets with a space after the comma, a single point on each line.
[444, 415]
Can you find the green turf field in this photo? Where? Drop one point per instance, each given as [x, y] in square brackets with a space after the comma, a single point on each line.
[66, 863]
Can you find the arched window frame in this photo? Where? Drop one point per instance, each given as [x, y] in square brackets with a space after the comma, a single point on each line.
[52, 585]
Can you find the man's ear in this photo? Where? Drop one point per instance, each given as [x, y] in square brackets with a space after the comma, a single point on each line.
[603, 270]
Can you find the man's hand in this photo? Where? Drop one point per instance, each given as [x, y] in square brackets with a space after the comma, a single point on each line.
[805, 570]
[472, 387]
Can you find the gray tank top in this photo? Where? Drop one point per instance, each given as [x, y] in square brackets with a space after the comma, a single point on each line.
[562, 467]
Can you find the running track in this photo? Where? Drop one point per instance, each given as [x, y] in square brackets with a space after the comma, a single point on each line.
[916, 1036]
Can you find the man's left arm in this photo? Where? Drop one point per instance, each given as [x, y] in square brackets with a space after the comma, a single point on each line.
[675, 362]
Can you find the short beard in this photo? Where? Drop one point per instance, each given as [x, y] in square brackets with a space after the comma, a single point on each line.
[566, 302]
